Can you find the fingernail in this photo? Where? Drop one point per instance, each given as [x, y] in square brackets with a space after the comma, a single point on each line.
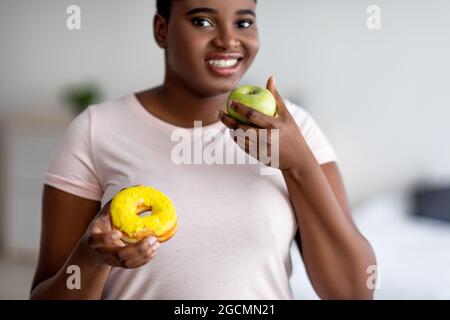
[273, 79]
[155, 246]
[152, 241]
[116, 235]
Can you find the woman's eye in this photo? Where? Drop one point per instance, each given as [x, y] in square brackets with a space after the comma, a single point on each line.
[202, 22]
[244, 24]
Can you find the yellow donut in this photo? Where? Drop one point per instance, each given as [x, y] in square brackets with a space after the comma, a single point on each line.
[128, 204]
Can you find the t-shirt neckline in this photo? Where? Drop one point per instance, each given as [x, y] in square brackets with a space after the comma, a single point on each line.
[166, 127]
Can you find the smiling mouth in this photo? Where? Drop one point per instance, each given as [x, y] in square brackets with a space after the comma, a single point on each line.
[224, 67]
[224, 63]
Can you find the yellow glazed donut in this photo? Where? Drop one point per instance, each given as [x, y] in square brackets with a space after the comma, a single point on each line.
[130, 202]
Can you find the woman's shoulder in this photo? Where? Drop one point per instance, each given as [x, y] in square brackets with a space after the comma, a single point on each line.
[113, 107]
[109, 113]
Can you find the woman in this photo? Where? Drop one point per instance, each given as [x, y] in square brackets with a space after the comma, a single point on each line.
[236, 225]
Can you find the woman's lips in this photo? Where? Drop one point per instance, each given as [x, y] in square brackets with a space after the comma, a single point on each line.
[224, 67]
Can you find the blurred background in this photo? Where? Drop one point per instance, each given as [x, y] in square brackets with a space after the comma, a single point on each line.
[381, 96]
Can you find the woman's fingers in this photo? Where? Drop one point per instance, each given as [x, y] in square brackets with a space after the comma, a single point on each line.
[99, 239]
[281, 107]
[139, 254]
[248, 138]
[138, 249]
[233, 123]
[139, 261]
[255, 117]
[131, 256]
[241, 130]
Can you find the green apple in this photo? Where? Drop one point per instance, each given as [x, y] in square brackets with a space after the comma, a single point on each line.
[257, 98]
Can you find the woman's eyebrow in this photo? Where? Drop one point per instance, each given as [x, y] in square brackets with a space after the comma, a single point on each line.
[201, 10]
[244, 12]
[214, 11]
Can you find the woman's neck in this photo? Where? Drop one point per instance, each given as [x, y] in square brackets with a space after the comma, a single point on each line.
[177, 105]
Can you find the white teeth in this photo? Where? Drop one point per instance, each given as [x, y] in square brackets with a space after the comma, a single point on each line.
[223, 63]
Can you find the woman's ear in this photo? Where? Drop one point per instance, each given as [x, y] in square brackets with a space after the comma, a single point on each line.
[160, 30]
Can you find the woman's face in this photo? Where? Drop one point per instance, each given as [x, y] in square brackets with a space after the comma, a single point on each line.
[211, 43]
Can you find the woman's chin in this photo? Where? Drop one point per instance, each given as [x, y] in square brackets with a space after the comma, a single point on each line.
[208, 85]
[222, 87]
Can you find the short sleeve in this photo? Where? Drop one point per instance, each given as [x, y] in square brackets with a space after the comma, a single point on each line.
[314, 136]
[72, 168]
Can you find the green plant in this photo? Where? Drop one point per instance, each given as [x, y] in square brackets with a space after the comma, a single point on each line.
[79, 97]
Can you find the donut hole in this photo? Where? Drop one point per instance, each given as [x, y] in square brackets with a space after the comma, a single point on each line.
[146, 212]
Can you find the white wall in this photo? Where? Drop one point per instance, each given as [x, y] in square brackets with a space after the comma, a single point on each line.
[381, 96]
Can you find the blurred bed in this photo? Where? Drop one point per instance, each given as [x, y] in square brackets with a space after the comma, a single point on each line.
[413, 252]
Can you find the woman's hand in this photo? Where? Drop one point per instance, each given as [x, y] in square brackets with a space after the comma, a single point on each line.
[105, 247]
[290, 142]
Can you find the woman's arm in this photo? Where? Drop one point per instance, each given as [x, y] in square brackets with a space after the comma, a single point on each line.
[76, 233]
[65, 218]
[336, 255]
[93, 277]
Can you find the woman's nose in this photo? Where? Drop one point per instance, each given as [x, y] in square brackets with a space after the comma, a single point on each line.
[226, 39]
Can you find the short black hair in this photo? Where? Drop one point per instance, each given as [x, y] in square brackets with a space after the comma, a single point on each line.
[163, 8]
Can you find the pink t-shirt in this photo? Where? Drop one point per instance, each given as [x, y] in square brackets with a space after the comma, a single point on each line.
[235, 225]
